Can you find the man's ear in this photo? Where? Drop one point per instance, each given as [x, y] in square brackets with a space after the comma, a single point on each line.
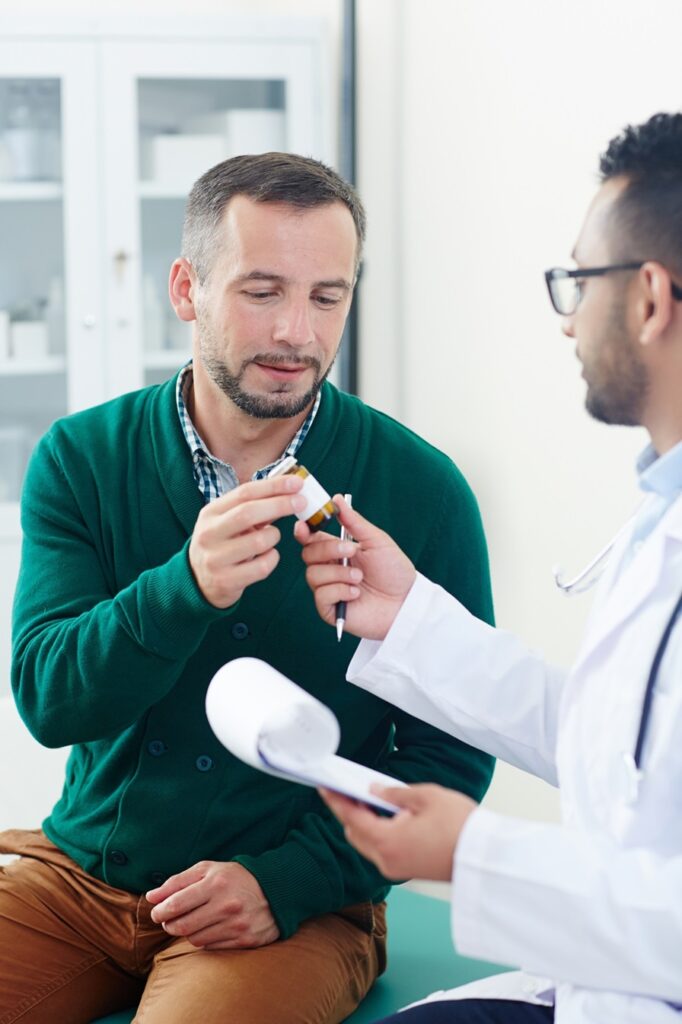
[655, 301]
[181, 287]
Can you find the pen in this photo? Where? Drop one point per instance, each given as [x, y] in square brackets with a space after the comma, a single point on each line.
[341, 606]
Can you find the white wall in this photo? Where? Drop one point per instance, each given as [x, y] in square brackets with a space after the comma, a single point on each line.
[500, 110]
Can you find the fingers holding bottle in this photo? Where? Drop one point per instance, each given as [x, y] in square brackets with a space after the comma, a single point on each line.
[234, 540]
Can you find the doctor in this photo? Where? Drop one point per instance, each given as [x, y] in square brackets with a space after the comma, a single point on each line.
[591, 909]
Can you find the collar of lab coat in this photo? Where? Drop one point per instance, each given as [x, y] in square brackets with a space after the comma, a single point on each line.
[656, 566]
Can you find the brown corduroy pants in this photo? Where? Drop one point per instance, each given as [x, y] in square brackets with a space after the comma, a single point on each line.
[73, 949]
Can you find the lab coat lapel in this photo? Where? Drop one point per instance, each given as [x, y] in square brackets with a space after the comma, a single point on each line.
[661, 555]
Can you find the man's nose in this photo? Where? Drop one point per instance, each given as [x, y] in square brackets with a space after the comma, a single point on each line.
[567, 326]
[294, 325]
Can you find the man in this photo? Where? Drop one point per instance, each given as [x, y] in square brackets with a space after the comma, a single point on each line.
[591, 907]
[168, 869]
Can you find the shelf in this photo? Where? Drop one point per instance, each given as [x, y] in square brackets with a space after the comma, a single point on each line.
[163, 190]
[27, 368]
[29, 191]
[165, 359]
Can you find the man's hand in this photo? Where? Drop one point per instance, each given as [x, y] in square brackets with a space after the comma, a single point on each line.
[419, 842]
[373, 587]
[215, 906]
[233, 544]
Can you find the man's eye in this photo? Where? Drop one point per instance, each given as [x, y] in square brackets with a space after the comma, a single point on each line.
[327, 300]
[259, 295]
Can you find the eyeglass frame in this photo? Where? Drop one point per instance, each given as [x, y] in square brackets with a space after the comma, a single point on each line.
[559, 273]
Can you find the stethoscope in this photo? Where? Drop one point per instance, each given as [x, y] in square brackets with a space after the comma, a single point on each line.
[633, 762]
[583, 582]
[590, 575]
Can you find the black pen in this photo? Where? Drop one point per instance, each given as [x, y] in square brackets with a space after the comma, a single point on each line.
[341, 606]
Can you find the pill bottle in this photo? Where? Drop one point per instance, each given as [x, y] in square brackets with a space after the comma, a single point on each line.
[319, 507]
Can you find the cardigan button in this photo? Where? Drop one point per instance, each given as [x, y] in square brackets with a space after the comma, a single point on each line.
[157, 878]
[118, 857]
[157, 747]
[240, 631]
[204, 763]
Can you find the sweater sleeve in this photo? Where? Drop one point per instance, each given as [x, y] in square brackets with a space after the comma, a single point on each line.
[316, 871]
[87, 660]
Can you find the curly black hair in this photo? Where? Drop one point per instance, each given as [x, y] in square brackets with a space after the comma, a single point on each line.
[645, 150]
[648, 214]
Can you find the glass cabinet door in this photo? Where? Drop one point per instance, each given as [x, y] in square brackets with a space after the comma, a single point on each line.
[42, 112]
[183, 110]
[32, 318]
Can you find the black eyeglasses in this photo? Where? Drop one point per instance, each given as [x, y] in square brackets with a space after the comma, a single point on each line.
[564, 285]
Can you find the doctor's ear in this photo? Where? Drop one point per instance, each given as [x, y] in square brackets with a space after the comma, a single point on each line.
[181, 286]
[655, 303]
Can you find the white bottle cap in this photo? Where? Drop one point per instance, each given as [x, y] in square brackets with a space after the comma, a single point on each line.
[282, 467]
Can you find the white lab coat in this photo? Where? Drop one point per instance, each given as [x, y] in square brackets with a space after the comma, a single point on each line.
[593, 904]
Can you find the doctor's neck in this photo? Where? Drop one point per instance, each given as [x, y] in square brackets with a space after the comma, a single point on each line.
[663, 420]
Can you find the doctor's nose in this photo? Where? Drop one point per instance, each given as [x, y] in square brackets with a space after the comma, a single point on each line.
[294, 325]
[567, 326]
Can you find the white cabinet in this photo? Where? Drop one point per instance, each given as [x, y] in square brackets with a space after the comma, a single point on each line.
[51, 352]
[104, 125]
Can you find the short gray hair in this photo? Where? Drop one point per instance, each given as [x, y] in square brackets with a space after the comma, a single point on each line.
[266, 178]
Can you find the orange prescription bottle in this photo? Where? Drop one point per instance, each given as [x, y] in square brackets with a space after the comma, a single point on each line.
[319, 508]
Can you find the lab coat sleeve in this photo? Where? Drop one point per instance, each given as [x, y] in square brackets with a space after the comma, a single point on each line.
[568, 904]
[480, 684]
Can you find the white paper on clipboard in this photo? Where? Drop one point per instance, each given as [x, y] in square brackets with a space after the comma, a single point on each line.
[272, 724]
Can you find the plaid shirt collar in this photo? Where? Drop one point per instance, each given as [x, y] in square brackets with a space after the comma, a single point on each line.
[213, 476]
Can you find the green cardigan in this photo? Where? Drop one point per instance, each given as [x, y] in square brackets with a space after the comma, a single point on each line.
[114, 647]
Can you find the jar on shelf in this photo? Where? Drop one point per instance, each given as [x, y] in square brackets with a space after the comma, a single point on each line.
[21, 137]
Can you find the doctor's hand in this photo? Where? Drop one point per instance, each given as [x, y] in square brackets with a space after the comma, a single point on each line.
[419, 842]
[214, 905]
[374, 586]
[233, 543]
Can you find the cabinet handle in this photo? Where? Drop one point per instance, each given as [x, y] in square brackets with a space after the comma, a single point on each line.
[89, 321]
[121, 259]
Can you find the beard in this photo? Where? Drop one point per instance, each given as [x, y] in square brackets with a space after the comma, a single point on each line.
[278, 404]
[617, 381]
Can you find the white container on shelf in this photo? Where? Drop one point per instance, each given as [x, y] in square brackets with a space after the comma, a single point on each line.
[247, 130]
[256, 131]
[4, 335]
[215, 123]
[28, 340]
[23, 147]
[21, 137]
[181, 159]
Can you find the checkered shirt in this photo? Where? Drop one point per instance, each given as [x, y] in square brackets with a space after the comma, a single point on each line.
[213, 476]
